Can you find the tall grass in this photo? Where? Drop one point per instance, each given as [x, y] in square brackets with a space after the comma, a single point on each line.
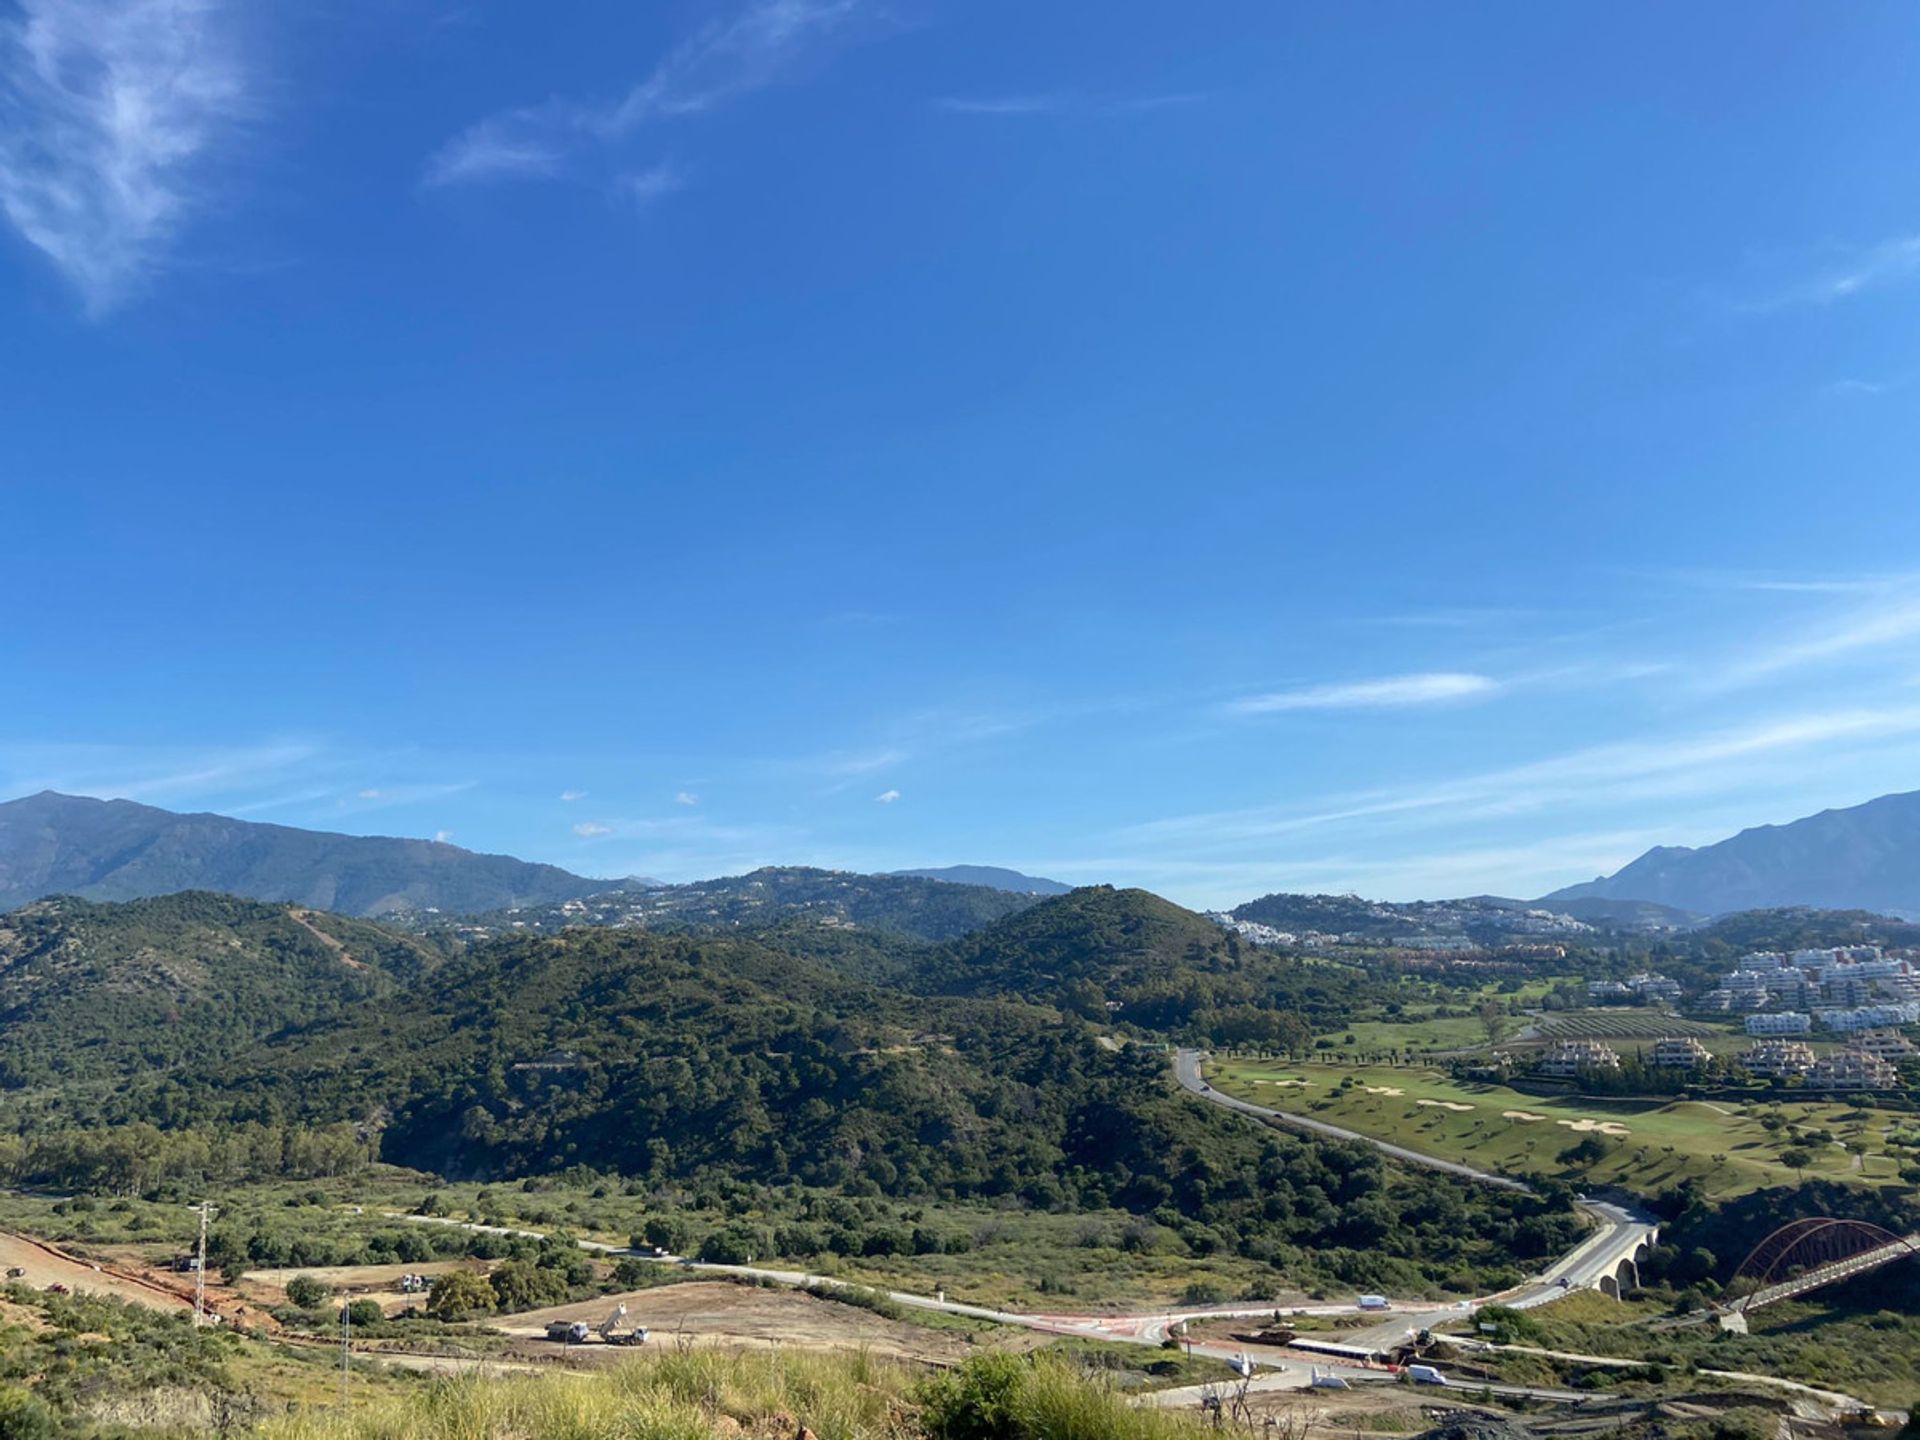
[674, 1395]
[702, 1394]
[1037, 1397]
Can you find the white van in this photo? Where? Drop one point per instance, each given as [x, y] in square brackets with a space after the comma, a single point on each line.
[1425, 1375]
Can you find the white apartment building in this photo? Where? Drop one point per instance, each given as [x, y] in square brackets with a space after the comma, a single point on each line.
[1871, 1017]
[1852, 1070]
[1784, 1022]
[1777, 1058]
[1660, 988]
[1681, 1053]
[1889, 1045]
[1570, 1057]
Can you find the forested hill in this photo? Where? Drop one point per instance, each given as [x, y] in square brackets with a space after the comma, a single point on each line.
[1131, 958]
[918, 907]
[93, 993]
[677, 1057]
[53, 844]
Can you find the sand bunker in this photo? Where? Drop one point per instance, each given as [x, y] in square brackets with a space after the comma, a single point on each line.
[1383, 1089]
[1604, 1127]
[1526, 1116]
[1453, 1105]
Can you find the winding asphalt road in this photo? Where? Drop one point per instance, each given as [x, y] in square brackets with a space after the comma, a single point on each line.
[1186, 1069]
[1619, 1234]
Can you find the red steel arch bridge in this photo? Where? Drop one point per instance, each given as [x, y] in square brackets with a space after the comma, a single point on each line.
[1808, 1254]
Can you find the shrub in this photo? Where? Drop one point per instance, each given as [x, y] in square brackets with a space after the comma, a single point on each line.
[307, 1292]
[24, 1418]
[459, 1294]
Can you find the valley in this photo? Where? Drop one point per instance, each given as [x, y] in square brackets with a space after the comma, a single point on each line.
[943, 1123]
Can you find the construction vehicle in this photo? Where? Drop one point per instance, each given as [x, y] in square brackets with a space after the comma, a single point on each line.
[568, 1332]
[611, 1333]
[1268, 1335]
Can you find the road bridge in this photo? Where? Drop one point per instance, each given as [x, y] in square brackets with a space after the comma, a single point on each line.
[1807, 1255]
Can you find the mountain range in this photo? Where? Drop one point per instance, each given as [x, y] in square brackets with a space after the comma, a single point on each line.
[1866, 857]
[992, 877]
[53, 844]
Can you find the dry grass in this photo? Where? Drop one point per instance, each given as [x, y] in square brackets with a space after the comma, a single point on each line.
[684, 1395]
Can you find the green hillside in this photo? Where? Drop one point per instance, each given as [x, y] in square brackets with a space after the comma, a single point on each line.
[1131, 958]
[95, 994]
[916, 907]
[703, 1059]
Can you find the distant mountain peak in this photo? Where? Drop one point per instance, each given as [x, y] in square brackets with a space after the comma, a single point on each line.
[1862, 857]
[52, 843]
[992, 877]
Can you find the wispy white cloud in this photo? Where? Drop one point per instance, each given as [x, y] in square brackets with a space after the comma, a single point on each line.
[113, 109]
[1394, 692]
[1527, 869]
[443, 837]
[1801, 584]
[591, 829]
[388, 797]
[158, 774]
[1003, 104]
[1064, 104]
[570, 796]
[720, 62]
[848, 763]
[643, 187]
[686, 797]
[1859, 270]
[1636, 769]
[1451, 617]
[887, 797]
[1891, 621]
[505, 147]
[1847, 385]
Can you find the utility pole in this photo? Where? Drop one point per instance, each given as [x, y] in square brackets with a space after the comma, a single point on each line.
[200, 1270]
[346, 1350]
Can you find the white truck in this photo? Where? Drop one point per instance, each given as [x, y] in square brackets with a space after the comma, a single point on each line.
[612, 1334]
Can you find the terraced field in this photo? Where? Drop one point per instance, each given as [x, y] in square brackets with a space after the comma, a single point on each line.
[1625, 1024]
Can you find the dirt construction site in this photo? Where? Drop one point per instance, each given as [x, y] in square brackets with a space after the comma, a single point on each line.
[709, 1312]
[43, 1266]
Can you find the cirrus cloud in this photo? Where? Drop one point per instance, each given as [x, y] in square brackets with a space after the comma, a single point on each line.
[112, 109]
[1393, 692]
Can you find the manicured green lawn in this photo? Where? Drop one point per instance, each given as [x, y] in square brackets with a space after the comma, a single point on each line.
[1649, 1146]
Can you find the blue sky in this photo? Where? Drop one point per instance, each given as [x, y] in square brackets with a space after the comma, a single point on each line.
[1224, 448]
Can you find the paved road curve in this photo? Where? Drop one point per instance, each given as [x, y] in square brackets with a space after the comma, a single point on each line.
[1619, 1234]
[1186, 1069]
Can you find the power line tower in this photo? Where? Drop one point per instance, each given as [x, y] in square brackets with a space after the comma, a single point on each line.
[200, 1269]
